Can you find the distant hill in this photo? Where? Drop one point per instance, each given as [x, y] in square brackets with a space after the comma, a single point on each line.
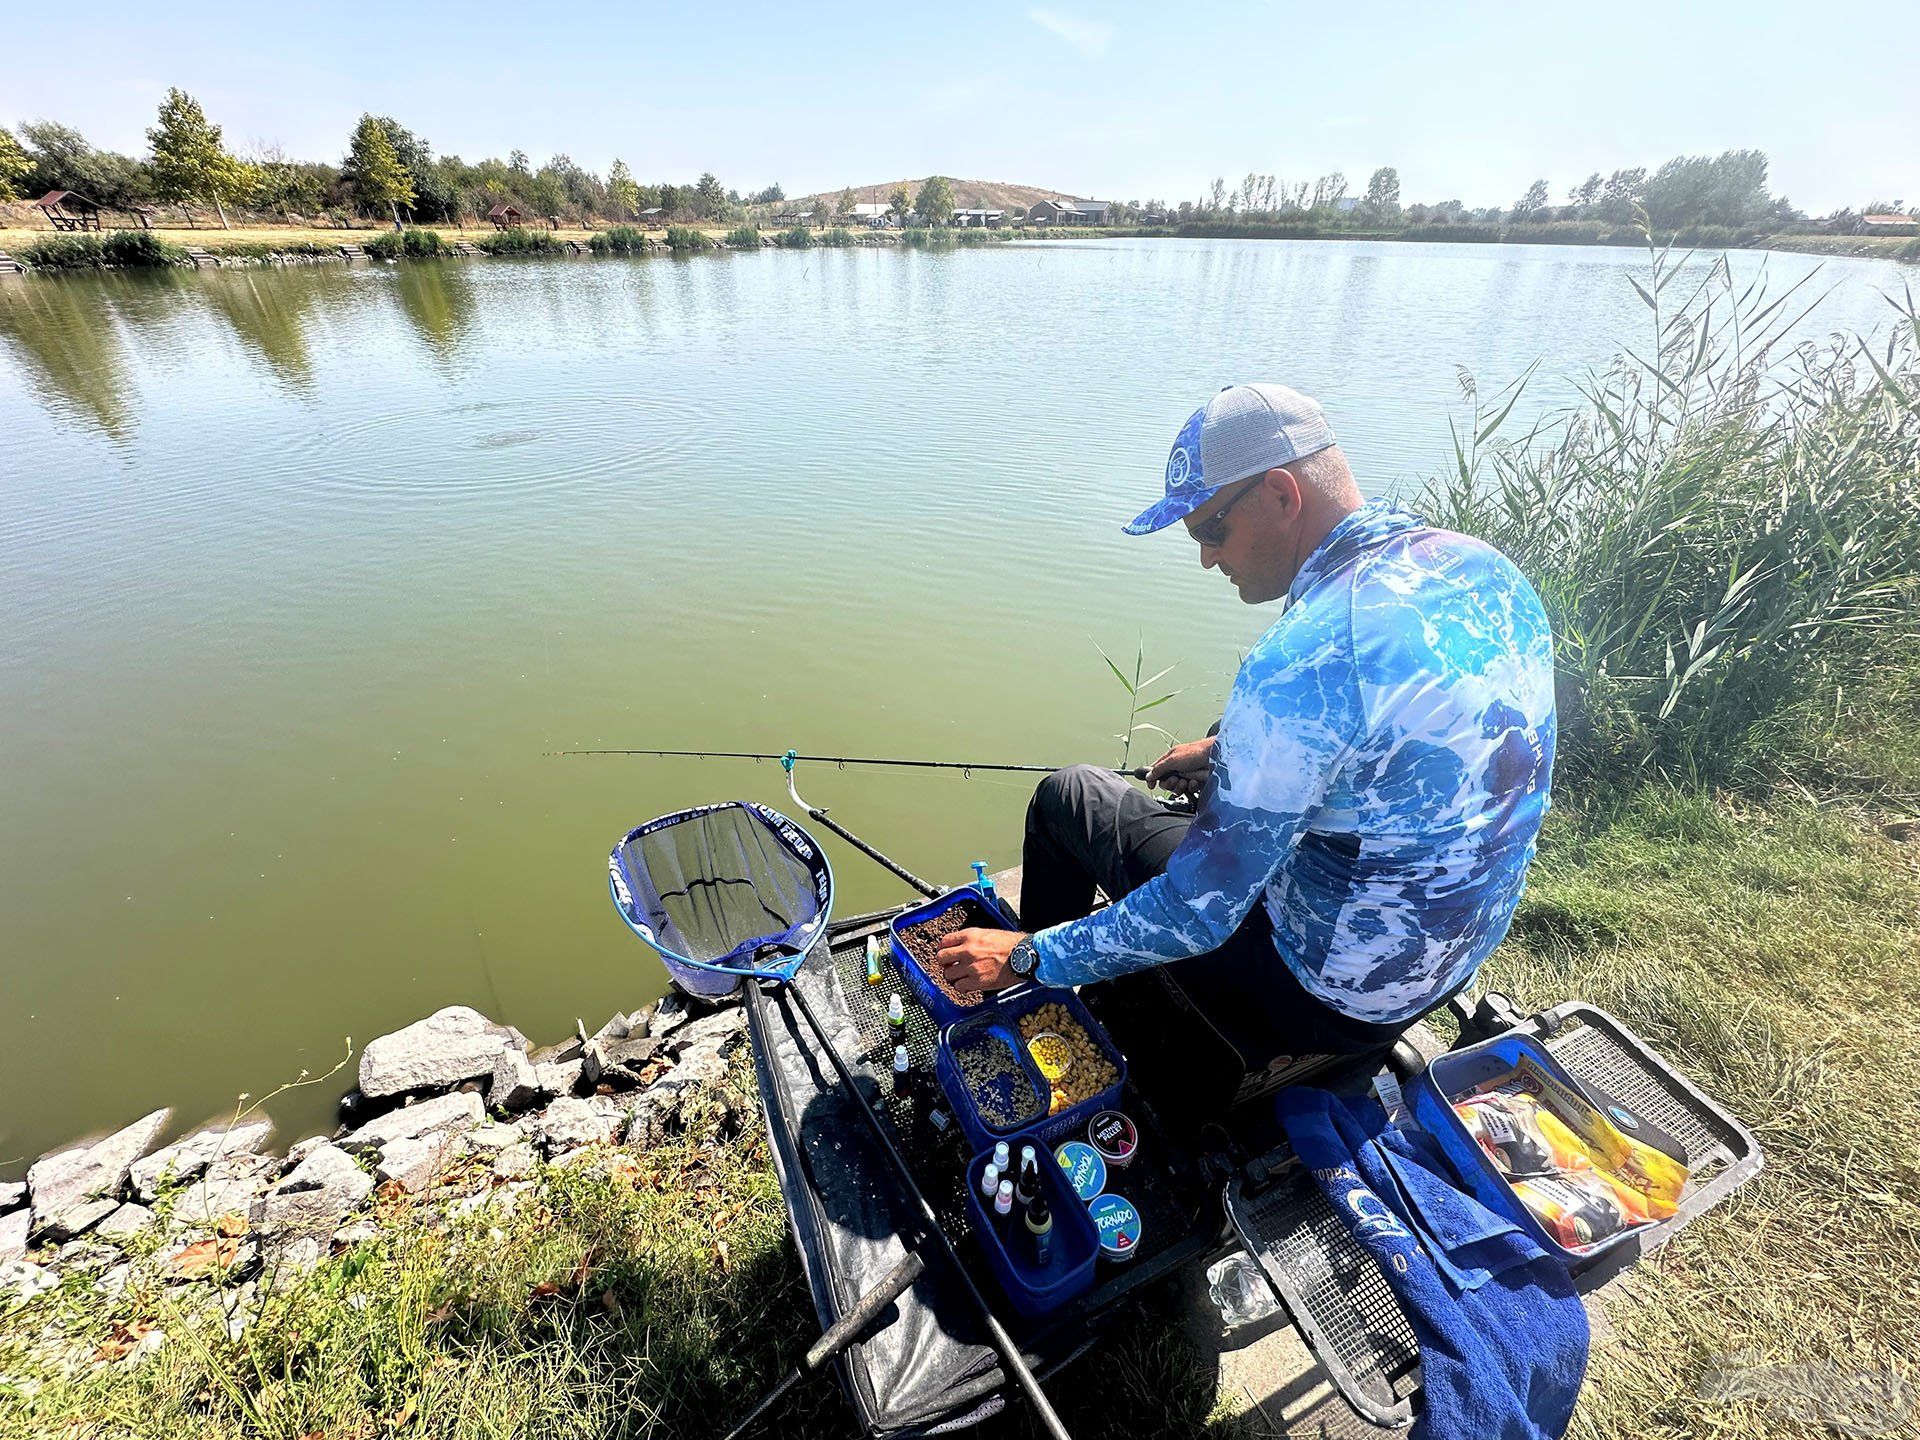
[967, 194]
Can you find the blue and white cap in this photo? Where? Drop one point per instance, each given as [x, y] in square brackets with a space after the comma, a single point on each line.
[1243, 431]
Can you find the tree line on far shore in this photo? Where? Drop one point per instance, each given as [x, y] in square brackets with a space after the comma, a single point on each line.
[391, 172]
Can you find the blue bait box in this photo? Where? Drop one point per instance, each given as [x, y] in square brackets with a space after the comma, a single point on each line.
[1076, 1245]
[1024, 1088]
[943, 1010]
[1003, 1019]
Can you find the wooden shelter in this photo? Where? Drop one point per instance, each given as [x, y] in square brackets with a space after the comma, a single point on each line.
[68, 211]
[144, 214]
[505, 216]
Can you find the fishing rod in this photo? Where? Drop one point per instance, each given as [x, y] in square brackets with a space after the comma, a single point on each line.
[1138, 772]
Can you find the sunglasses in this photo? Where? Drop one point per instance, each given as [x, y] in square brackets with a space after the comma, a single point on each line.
[1212, 531]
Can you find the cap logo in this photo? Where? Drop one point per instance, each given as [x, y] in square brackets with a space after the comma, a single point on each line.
[1179, 466]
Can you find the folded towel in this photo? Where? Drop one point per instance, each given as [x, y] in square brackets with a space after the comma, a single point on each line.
[1502, 1333]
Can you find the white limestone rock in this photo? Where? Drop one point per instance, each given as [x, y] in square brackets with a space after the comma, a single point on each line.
[514, 1084]
[451, 1045]
[123, 1223]
[14, 1227]
[569, 1124]
[66, 1188]
[187, 1159]
[461, 1110]
[416, 1163]
[230, 1186]
[316, 1195]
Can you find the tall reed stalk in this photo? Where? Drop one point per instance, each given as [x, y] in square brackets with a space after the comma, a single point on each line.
[1724, 528]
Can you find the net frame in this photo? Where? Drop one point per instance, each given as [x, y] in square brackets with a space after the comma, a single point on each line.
[775, 955]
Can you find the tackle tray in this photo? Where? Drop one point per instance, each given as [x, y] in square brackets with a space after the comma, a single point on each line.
[1334, 1291]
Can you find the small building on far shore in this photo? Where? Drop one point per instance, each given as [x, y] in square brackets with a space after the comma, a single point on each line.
[67, 211]
[979, 219]
[1890, 224]
[652, 218]
[874, 215]
[1068, 212]
[506, 216]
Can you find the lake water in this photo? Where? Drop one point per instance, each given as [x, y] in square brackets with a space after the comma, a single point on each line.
[304, 572]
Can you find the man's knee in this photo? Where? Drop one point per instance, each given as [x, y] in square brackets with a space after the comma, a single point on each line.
[1063, 794]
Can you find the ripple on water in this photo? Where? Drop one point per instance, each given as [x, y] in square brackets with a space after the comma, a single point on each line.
[564, 440]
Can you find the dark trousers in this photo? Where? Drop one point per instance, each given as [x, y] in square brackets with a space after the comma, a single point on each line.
[1203, 1033]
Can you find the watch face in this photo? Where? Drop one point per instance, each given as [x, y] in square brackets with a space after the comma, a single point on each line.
[1023, 958]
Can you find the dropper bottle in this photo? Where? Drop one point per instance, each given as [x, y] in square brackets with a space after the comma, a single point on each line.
[896, 1018]
[1003, 1210]
[989, 1183]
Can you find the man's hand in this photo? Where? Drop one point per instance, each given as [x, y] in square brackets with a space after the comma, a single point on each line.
[976, 960]
[1183, 770]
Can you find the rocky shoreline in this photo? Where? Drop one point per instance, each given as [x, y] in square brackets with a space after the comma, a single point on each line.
[452, 1114]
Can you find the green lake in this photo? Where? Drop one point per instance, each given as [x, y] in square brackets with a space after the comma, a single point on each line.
[305, 571]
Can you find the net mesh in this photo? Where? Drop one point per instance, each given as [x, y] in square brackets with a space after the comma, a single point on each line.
[718, 885]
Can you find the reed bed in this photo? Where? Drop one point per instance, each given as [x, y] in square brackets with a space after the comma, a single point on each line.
[1723, 529]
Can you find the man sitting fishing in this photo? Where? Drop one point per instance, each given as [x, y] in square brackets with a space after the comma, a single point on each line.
[1367, 805]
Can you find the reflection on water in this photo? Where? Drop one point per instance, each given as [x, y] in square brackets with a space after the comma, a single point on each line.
[68, 340]
[440, 302]
[305, 572]
[269, 310]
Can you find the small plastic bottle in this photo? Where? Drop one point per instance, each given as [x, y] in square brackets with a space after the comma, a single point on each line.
[896, 1018]
[1027, 1190]
[1003, 1210]
[1040, 1231]
[1002, 1157]
[873, 960]
[902, 1073]
[989, 1183]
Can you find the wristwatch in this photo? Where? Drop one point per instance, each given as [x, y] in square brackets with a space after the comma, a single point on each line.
[1023, 958]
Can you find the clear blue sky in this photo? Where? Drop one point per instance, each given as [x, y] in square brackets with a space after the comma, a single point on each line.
[1129, 102]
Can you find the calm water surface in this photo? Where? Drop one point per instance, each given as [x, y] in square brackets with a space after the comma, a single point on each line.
[303, 572]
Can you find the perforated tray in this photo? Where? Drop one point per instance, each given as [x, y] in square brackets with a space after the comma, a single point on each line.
[1334, 1291]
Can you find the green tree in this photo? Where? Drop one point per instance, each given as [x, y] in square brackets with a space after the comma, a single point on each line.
[709, 198]
[63, 160]
[281, 184]
[621, 191]
[1586, 194]
[373, 171]
[672, 199]
[189, 160]
[1383, 190]
[1531, 203]
[1624, 191]
[845, 208]
[934, 203]
[900, 204]
[517, 162]
[14, 164]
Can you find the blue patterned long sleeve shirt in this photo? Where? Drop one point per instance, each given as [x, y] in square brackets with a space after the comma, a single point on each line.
[1381, 773]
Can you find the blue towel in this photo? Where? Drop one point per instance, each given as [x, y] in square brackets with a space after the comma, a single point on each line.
[1502, 1334]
